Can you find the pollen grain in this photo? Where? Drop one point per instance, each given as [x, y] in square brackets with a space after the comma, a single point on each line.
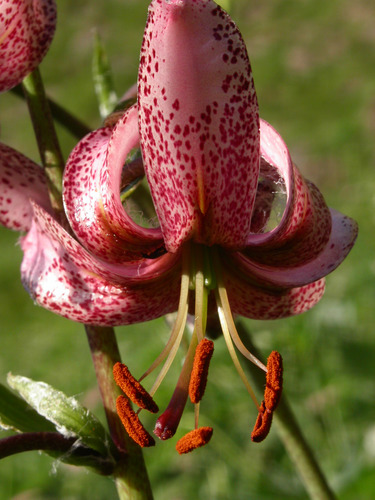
[198, 379]
[194, 439]
[132, 423]
[133, 389]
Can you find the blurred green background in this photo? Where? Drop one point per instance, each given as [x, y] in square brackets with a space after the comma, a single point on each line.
[314, 70]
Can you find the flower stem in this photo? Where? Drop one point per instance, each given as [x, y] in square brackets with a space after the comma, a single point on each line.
[290, 434]
[48, 144]
[131, 477]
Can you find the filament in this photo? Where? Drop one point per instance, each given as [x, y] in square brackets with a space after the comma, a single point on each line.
[176, 335]
[232, 352]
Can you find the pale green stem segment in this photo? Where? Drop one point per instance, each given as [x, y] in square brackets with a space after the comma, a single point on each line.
[130, 474]
[291, 435]
[103, 81]
[48, 144]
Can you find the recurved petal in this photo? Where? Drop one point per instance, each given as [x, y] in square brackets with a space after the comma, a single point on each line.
[57, 284]
[124, 139]
[141, 271]
[91, 192]
[21, 180]
[199, 123]
[305, 226]
[341, 240]
[252, 301]
[26, 31]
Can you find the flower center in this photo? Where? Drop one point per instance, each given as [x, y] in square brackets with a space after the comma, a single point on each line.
[201, 276]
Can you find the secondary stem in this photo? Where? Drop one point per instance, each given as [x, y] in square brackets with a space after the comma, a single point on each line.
[70, 122]
[48, 144]
[131, 475]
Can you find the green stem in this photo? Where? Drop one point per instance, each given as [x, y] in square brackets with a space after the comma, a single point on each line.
[49, 148]
[131, 477]
[290, 433]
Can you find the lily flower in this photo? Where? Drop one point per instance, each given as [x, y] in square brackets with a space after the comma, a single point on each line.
[26, 31]
[216, 172]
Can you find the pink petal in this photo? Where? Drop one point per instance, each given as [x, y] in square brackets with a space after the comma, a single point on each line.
[126, 273]
[91, 191]
[199, 123]
[20, 180]
[57, 284]
[305, 227]
[341, 240]
[250, 301]
[26, 32]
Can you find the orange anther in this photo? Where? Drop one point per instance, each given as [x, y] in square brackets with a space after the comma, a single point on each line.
[132, 423]
[133, 389]
[194, 439]
[198, 379]
[274, 381]
[262, 425]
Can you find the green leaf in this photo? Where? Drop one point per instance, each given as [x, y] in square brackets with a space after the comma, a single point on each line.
[17, 415]
[103, 81]
[66, 413]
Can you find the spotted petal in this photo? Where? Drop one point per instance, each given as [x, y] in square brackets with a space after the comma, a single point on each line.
[306, 224]
[341, 240]
[56, 283]
[92, 194]
[199, 123]
[253, 302]
[142, 271]
[21, 180]
[26, 31]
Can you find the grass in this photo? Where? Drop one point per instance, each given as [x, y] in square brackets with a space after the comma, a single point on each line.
[314, 68]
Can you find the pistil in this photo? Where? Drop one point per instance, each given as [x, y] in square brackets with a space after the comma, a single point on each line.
[167, 423]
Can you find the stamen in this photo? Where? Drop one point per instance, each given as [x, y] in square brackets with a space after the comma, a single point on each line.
[196, 415]
[194, 439]
[221, 291]
[232, 352]
[174, 340]
[133, 389]
[167, 423]
[198, 379]
[262, 425]
[274, 381]
[132, 423]
[201, 295]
